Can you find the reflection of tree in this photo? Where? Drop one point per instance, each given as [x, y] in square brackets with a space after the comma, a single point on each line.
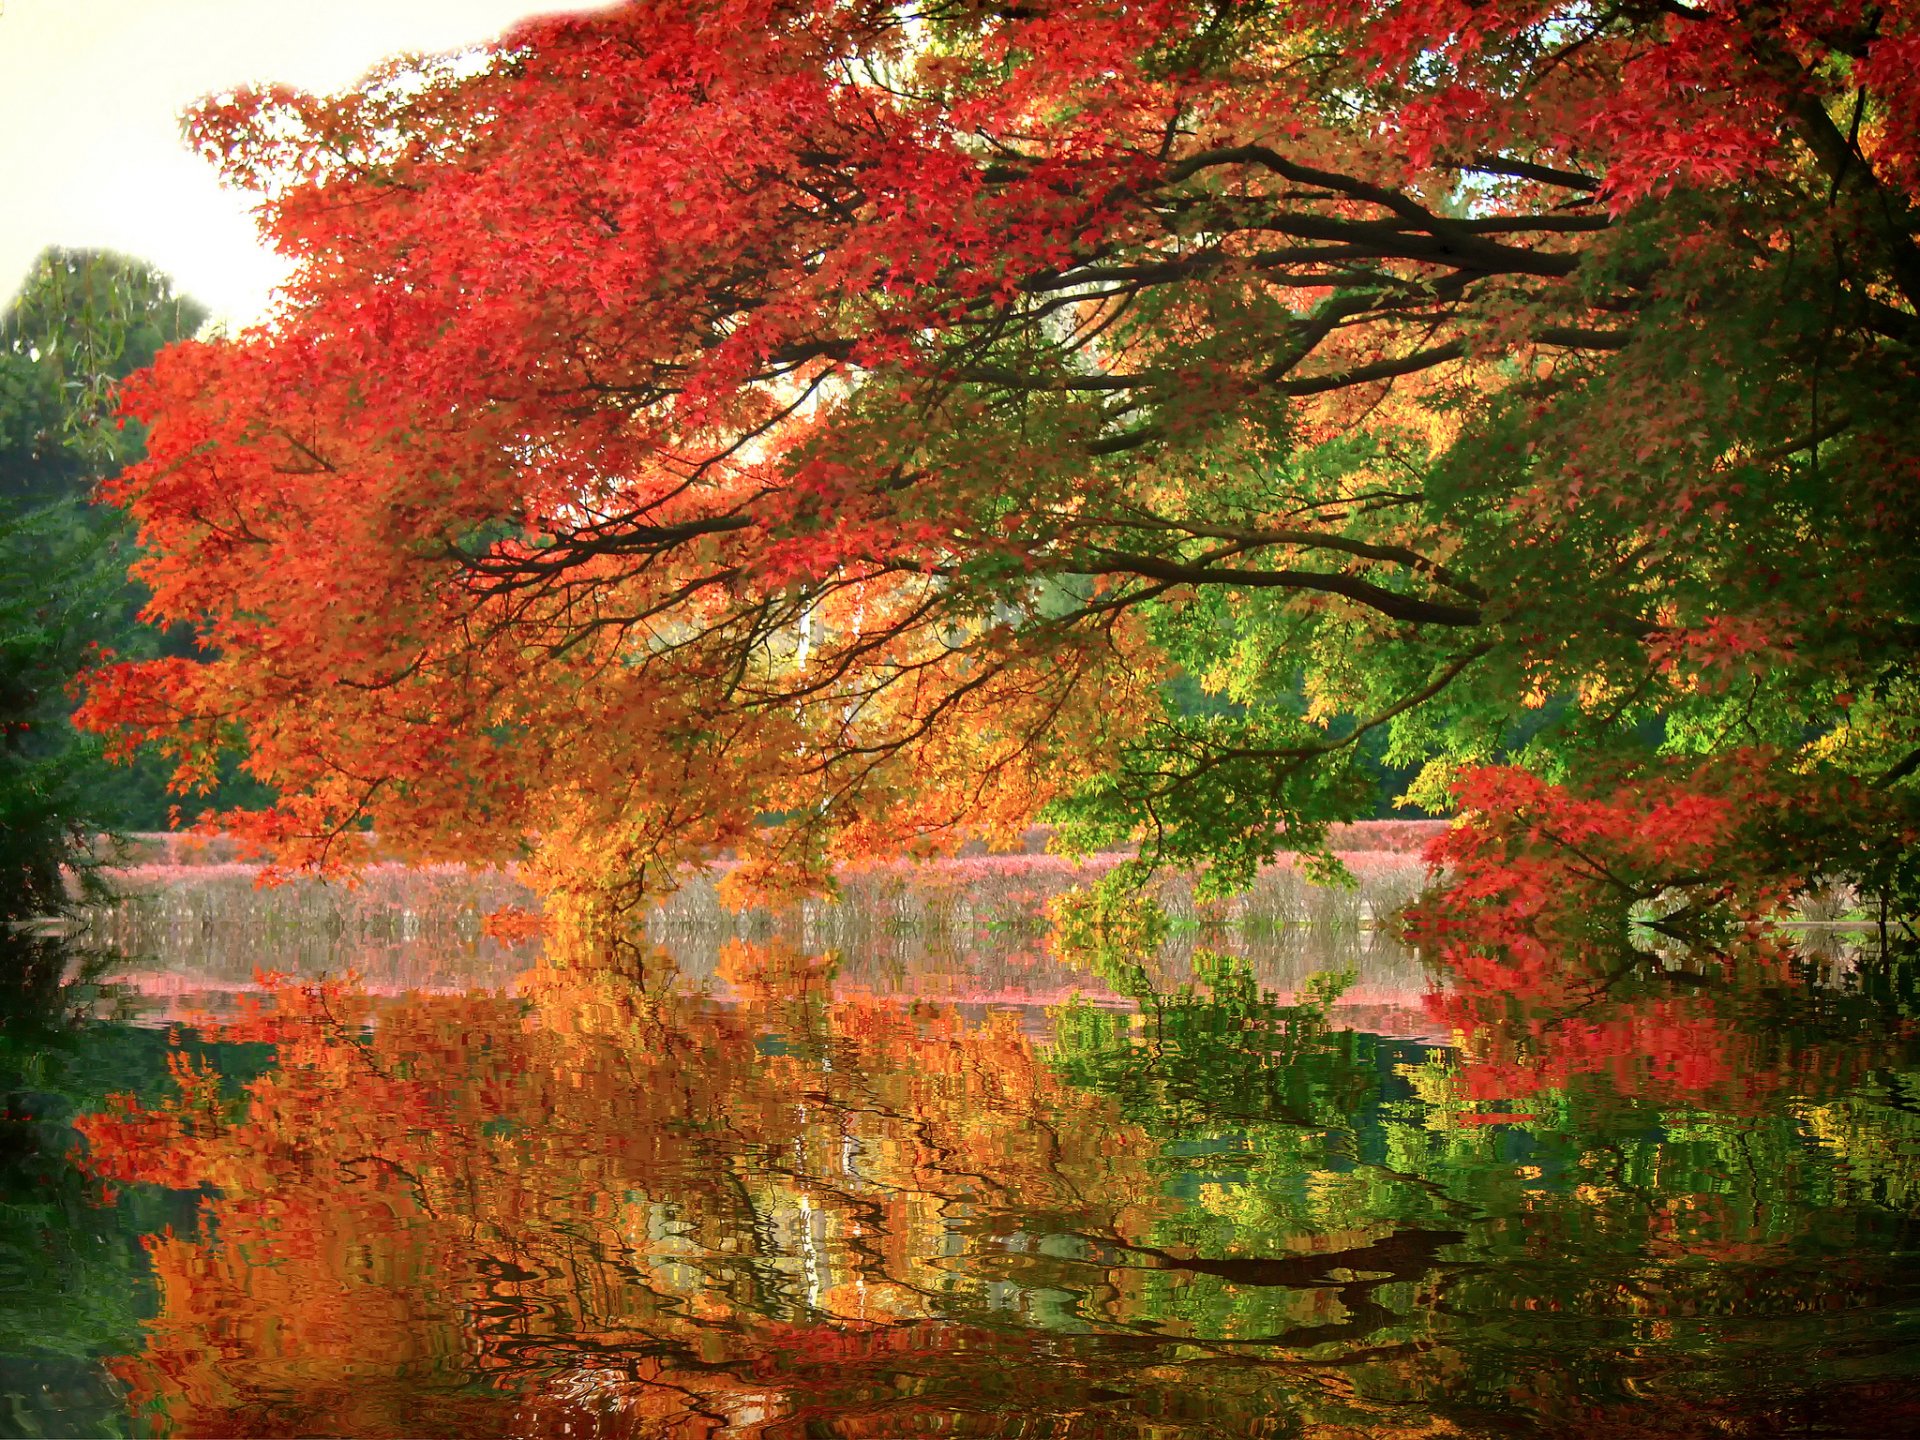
[1619, 1229]
[70, 1274]
[1698, 1092]
[1731, 1030]
[613, 1205]
[653, 1189]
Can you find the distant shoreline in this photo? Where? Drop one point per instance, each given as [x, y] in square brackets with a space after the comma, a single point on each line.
[192, 847]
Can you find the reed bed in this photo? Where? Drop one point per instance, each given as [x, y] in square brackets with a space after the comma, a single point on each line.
[194, 928]
[1011, 893]
[212, 907]
[176, 892]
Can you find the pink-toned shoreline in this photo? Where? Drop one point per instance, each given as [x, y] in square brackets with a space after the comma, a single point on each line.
[144, 849]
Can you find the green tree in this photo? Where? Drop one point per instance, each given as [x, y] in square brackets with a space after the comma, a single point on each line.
[82, 322]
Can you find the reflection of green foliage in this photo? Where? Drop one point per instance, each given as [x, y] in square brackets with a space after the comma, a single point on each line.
[1644, 1223]
[1281, 1136]
[1223, 1069]
[1222, 1051]
[73, 1285]
[1873, 1139]
[1109, 925]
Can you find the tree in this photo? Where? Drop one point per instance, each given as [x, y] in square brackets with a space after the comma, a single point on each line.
[42, 633]
[81, 323]
[817, 427]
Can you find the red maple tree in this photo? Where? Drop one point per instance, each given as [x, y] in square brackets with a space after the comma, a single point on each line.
[867, 417]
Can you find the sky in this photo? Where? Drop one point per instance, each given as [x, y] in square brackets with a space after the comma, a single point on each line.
[90, 98]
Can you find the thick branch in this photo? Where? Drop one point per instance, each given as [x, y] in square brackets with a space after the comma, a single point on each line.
[1391, 603]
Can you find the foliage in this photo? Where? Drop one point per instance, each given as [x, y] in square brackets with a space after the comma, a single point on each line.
[1686, 850]
[72, 1275]
[79, 325]
[51, 585]
[81, 322]
[615, 1205]
[818, 428]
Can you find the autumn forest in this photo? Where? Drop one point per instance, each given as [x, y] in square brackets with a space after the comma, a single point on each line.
[1074, 718]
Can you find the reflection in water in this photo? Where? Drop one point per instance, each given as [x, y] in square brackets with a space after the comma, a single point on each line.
[71, 1286]
[768, 1200]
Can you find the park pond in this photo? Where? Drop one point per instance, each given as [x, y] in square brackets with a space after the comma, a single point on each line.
[302, 1162]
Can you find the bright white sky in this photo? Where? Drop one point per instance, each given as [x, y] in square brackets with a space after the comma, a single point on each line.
[90, 98]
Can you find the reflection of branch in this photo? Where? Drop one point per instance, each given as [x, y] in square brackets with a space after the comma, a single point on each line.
[1403, 1255]
[1675, 926]
[1899, 772]
[342, 1035]
[419, 1185]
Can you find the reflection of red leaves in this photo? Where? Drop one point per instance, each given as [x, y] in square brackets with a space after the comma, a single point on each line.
[129, 1145]
[511, 925]
[1519, 1038]
[1531, 929]
[394, 1142]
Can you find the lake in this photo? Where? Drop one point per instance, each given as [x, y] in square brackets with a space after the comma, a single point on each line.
[914, 1171]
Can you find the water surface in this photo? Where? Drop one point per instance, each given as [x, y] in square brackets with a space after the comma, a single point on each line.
[757, 1188]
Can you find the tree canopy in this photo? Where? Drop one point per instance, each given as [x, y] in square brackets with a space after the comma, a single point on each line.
[820, 427]
[82, 322]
